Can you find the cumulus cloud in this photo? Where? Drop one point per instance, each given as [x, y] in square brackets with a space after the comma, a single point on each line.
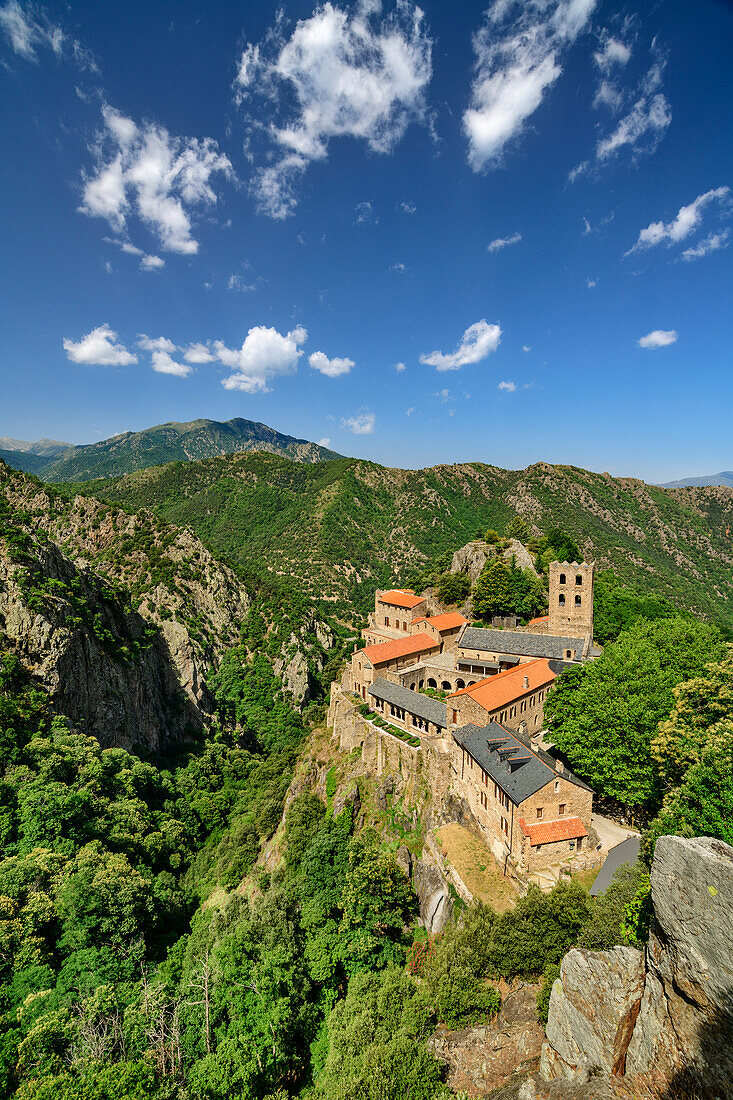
[508, 387]
[687, 220]
[332, 368]
[399, 367]
[161, 356]
[519, 56]
[198, 353]
[503, 242]
[325, 442]
[28, 29]
[361, 424]
[100, 347]
[147, 262]
[658, 339]
[142, 169]
[712, 243]
[478, 341]
[341, 73]
[264, 354]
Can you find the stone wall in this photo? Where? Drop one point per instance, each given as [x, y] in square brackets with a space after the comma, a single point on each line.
[525, 713]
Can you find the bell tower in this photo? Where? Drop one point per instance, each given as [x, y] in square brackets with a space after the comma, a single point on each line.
[571, 599]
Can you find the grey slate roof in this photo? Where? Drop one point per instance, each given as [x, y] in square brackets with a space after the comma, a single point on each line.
[519, 770]
[432, 710]
[627, 852]
[517, 642]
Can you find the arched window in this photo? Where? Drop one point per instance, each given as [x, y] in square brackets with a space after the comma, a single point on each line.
[459, 684]
[432, 683]
[577, 601]
[562, 578]
[578, 578]
[412, 687]
[446, 685]
[561, 599]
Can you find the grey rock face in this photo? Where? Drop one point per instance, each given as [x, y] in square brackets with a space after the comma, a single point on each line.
[433, 895]
[472, 557]
[593, 1009]
[687, 1011]
[348, 796]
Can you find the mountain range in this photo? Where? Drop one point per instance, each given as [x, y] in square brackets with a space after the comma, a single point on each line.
[172, 442]
[725, 477]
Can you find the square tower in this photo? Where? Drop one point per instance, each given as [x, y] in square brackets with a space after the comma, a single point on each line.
[571, 599]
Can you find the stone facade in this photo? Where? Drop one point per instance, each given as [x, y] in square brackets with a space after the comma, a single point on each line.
[525, 711]
[395, 610]
[571, 598]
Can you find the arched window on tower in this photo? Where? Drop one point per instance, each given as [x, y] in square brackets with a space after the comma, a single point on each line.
[562, 578]
[578, 578]
[561, 599]
[577, 601]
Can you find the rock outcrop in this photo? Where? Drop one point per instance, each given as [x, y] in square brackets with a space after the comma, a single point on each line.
[481, 1059]
[433, 895]
[472, 557]
[667, 1013]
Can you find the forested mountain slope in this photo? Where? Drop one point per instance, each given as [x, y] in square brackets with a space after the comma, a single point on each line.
[340, 528]
[170, 442]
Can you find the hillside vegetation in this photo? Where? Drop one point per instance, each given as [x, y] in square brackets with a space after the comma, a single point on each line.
[170, 442]
[337, 529]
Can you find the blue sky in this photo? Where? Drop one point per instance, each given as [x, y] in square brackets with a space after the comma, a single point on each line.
[427, 235]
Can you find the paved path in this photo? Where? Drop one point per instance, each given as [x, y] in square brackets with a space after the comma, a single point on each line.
[609, 833]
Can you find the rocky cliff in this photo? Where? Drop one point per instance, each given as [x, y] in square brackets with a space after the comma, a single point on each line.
[662, 1018]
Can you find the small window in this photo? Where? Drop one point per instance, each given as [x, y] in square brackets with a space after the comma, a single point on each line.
[577, 601]
[539, 813]
[483, 800]
[455, 716]
[562, 578]
[386, 621]
[578, 579]
[404, 626]
[572, 844]
[505, 826]
[557, 785]
[561, 599]
[561, 809]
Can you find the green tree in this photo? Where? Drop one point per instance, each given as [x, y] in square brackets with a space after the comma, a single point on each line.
[604, 716]
[606, 927]
[453, 587]
[492, 592]
[517, 528]
[378, 904]
[538, 930]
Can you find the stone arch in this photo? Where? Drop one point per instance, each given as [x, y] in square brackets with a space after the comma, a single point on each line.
[561, 599]
[412, 686]
[562, 579]
[471, 683]
[432, 682]
[422, 683]
[459, 684]
[577, 601]
[578, 578]
[446, 685]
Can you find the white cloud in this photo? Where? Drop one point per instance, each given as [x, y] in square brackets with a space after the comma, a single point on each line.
[360, 424]
[332, 368]
[508, 387]
[658, 339]
[503, 242]
[198, 353]
[161, 356]
[478, 341]
[100, 347]
[399, 268]
[364, 214]
[325, 442]
[519, 52]
[612, 52]
[712, 243]
[590, 283]
[410, 411]
[399, 367]
[526, 347]
[340, 74]
[408, 207]
[146, 171]
[152, 263]
[264, 354]
[30, 29]
[687, 220]
[236, 282]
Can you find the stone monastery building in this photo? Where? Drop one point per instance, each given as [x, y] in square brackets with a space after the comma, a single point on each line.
[480, 740]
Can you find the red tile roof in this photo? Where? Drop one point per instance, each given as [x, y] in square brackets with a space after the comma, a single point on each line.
[545, 832]
[451, 620]
[502, 689]
[400, 647]
[401, 597]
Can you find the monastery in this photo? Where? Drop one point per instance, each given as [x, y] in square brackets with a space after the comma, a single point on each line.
[462, 707]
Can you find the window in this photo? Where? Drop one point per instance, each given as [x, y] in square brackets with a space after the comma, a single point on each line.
[557, 785]
[483, 800]
[454, 719]
[386, 621]
[485, 778]
[404, 626]
[539, 813]
[505, 826]
[562, 578]
[577, 601]
[561, 599]
[578, 579]
[561, 809]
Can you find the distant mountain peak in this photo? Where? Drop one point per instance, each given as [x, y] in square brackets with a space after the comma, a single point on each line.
[725, 477]
[170, 442]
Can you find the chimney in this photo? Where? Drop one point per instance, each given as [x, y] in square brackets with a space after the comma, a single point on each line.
[558, 765]
[525, 685]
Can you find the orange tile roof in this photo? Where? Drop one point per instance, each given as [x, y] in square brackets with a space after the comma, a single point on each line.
[545, 832]
[448, 621]
[400, 647]
[502, 689]
[400, 597]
